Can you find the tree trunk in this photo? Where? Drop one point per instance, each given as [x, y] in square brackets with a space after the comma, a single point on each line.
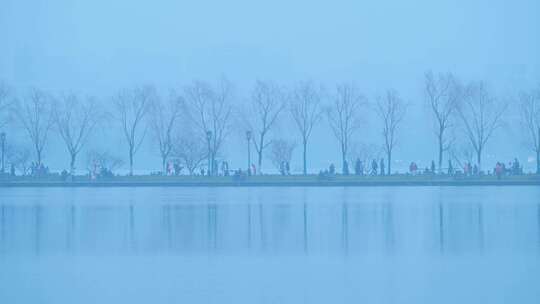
[249, 156]
[131, 161]
[38, 154]
[305, 156]
[479, 159]
[72, 164]
[212, 173]
[343, 162]
[209, 159]
[164, 164]
[259, 155]
[343, 157]
[441, 150]
[389, 156]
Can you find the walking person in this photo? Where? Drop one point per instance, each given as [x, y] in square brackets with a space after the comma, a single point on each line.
[374, 167]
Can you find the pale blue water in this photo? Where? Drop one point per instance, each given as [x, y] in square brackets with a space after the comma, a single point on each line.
[270, 245]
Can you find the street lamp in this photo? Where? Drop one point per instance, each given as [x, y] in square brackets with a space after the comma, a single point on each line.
[3, 143]
[209, 138]
[248, 137]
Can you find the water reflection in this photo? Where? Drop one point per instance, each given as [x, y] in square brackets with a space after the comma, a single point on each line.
[441, 227]
[346, 227]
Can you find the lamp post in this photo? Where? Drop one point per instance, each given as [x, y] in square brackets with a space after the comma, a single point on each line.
[3, 143]
[209, 138]
[248, 138]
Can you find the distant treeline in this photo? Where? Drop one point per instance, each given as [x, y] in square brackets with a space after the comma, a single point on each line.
[190, 126]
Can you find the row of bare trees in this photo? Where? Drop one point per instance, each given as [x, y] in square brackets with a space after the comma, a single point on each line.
[193, 124]
[474, 112]
[38, 113]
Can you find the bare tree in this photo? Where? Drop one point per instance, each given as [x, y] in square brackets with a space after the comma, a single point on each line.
[281, 152]
[263, 110]
[211, 113]
[75, 119]
[391, 110]
[190, 150]
[442, 94]
[481, 114]
[19, 158]
[131, 108]
[307, 112]
[530, 117]
[343, 116]
[34, 114]
[163, 119]
[5, 103]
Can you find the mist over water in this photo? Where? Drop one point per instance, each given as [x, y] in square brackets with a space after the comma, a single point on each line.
[427, 221]
[205, 245]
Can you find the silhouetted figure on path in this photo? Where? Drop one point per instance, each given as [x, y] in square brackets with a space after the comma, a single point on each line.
[413, 168]
[467, 169]
[177, 169]
[499, 170]
[374, 167]
[332, 169]
[282, 168]
[516, 168]
[358, 167]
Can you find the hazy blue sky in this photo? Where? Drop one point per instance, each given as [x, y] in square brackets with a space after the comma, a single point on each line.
[99, 46]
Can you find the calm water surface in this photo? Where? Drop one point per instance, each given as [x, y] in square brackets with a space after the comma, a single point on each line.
[270, 245]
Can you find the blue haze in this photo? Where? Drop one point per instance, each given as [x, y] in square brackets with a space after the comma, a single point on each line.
[97, 47]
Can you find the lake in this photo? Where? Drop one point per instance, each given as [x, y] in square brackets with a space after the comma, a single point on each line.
[270, 245]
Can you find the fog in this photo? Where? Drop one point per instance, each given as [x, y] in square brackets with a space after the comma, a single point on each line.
[452, 233]
[268, 245]
[99, 47]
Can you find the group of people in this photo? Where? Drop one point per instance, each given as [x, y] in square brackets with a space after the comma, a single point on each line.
[96, 172]
[10, 173]
[415, 170]
[174, 168]
[513, 168]
[469, 170]
[38, 169]
[285, 168]
[377, 168]
[252, 170]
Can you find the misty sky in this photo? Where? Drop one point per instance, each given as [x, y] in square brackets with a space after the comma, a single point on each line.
[97, 47]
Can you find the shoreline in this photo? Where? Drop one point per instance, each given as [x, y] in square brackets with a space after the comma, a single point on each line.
[277, 181]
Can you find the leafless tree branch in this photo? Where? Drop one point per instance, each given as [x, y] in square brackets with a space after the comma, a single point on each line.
[344, 115]
[306, 110]
[132, 107]
[391, 110]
